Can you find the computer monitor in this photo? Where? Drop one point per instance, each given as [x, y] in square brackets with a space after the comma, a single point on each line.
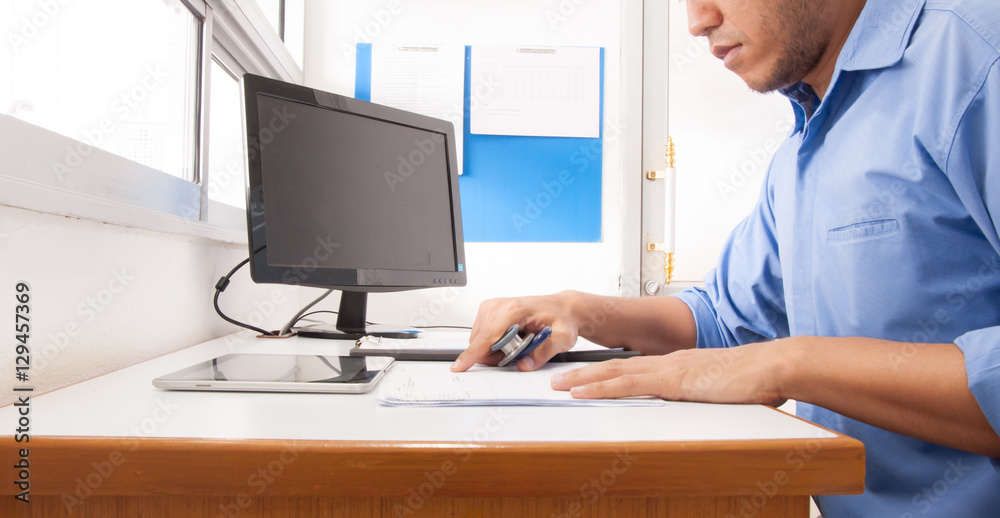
[348, 195]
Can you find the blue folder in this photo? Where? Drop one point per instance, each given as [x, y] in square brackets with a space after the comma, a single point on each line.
[518, 188]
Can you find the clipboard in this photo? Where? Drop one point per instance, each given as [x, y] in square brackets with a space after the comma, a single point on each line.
[408, 350]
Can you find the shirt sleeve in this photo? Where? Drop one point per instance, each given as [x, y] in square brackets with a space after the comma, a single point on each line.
[973, 166]
[743, 300]
[982, 365]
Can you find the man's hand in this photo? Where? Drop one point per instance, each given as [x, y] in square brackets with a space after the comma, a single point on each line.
[745, 374]
[531, 314]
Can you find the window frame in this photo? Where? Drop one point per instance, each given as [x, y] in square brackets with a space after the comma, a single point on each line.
[116, 190]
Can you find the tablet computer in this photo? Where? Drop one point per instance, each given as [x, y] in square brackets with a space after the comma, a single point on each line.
[280, 373]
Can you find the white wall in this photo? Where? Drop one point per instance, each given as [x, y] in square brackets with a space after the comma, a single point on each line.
[725, 135]
[106, 296]
[495, 269]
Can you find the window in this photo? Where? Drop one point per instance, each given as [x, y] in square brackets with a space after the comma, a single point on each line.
[70, 72]
[136, 103]
[287, 18]
[226, 182]
[274, 12]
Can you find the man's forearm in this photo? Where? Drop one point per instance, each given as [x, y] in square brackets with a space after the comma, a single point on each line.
[919, 390]
[650, 325]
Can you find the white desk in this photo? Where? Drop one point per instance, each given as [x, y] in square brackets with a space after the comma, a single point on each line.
[202, 448]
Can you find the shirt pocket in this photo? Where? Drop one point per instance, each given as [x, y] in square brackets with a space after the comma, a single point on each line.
[863, 230]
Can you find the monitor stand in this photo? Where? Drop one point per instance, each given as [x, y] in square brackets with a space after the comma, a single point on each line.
[351, 322]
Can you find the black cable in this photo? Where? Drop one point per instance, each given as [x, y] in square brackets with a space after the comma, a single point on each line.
[224, 282]
[285, 329]
[321, 311]
[220, 287]
[329, 311]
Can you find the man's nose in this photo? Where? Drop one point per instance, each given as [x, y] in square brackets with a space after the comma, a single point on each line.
[702, 16]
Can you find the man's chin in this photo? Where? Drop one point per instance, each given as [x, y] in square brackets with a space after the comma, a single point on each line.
[765, 85]
[759, 86]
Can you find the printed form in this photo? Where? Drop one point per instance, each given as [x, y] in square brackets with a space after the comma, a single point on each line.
[542, 92]
[433, 384]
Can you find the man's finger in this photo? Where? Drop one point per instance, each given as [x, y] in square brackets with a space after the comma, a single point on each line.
[492, 358]
[491, 322]
[604, 371]
[646, 384]
[478, 351]
[556, 343]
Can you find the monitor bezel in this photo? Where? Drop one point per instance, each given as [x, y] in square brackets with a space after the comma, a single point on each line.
[345, 279]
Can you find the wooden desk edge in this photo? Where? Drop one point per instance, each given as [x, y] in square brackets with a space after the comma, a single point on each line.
[212, 467]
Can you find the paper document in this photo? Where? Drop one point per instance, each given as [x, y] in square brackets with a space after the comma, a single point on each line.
[543, 92]
[433, 384]
[429, 80]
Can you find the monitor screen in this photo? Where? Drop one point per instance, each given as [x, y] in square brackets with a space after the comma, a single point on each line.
[370, 194]
[348, 194]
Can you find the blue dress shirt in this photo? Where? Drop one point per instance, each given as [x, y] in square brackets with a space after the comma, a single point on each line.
[879, 218]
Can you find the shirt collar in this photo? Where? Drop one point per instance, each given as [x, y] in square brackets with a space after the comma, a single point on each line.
[880, 35]
[878, 39]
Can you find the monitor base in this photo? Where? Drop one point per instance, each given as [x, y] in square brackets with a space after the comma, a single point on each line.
[351, 323]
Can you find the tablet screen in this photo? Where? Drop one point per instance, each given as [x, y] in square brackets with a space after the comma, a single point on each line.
[294, 368]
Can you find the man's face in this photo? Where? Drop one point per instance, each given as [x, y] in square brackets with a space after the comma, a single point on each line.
[770, 44]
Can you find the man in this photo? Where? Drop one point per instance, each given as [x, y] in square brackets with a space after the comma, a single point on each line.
[865, 284]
